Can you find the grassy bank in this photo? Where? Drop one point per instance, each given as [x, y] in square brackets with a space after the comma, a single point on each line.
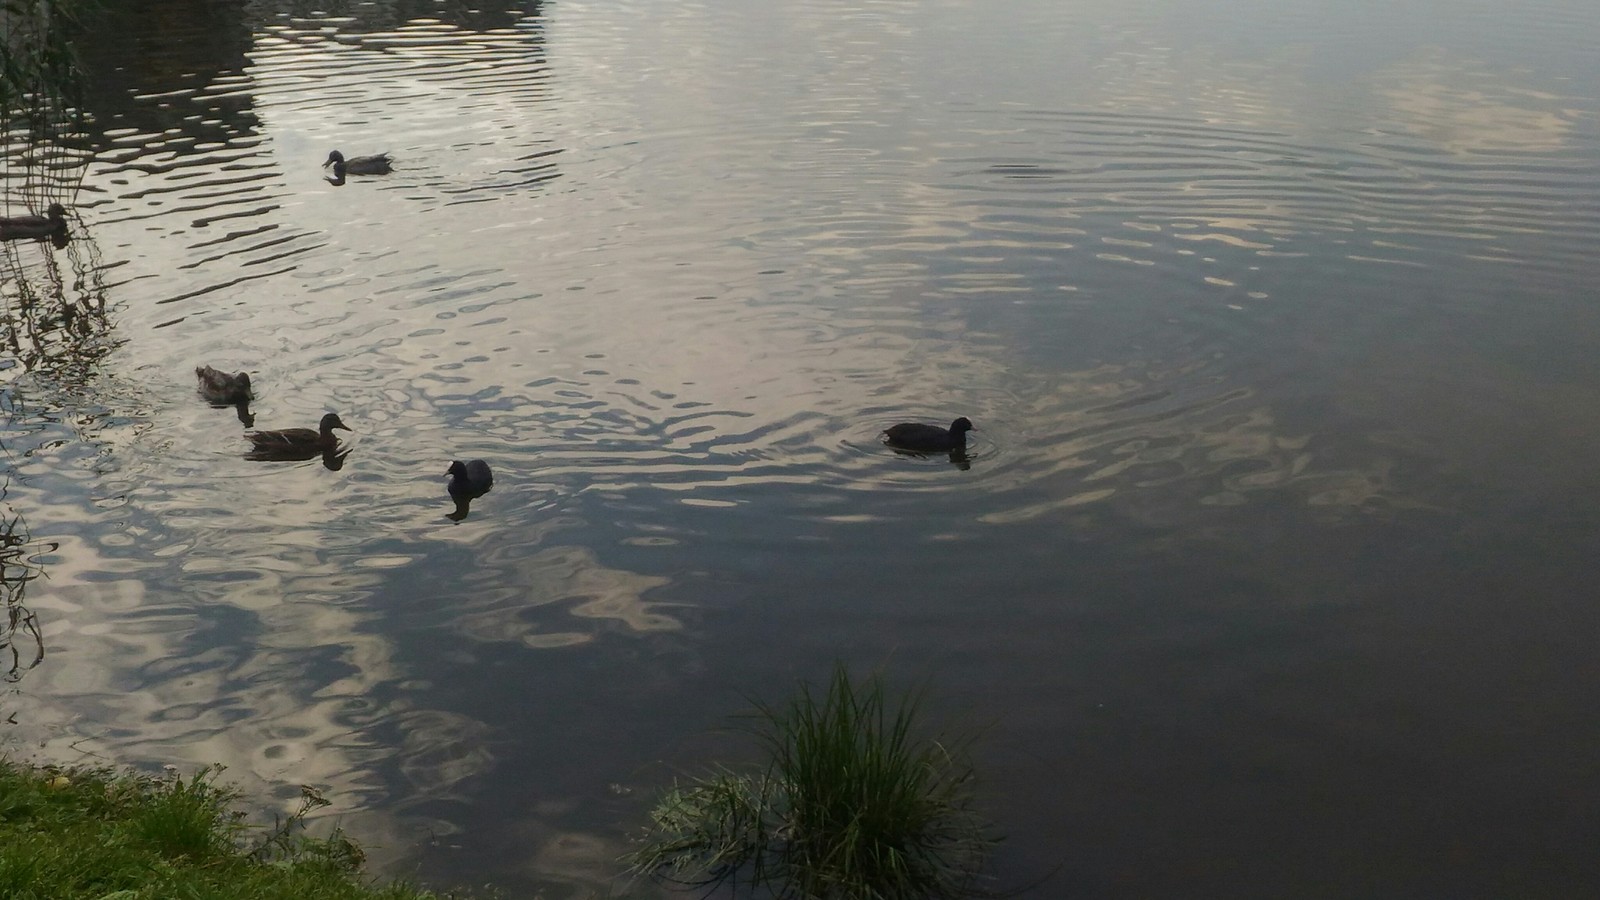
[855, 800]
[107, 835]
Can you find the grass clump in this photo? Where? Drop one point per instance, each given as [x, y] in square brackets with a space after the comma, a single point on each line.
[853, 804]
[95, 833]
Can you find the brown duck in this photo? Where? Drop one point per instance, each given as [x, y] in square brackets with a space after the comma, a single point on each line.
[380, 164]
[298, 440]
[38, 228]
[220, 387]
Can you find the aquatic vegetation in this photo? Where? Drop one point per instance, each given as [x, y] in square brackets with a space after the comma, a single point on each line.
[853, 803]
[43, 147]
[95, 833]
[44, 154]
[55, 320]
[21, 642]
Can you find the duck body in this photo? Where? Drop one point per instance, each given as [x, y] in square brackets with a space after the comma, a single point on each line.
[38, 228]
[470, 479]
[919, 436]
[220, 387]
[381, 164]
[298, 440]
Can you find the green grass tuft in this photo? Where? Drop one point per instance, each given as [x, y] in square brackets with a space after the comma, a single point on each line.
[853, 803]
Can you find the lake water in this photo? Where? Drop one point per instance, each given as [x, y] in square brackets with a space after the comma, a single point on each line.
[1268, 573]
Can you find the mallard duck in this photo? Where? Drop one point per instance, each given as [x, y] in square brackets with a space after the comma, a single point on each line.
[220, 387]
[359, 165]
[469, 480]
[917, 436]
[298, 440]
[18, 228]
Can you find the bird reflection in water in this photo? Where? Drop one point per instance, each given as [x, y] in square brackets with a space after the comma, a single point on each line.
[332, 457]
[958, 457]
[21, 641]
[56, 315]
[468, 482]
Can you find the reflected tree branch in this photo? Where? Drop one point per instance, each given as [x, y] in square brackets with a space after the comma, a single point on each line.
[44, 144]
[21, 643]
[52, 300]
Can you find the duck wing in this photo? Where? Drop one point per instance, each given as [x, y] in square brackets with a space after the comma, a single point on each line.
[284, 438]
[381, 164]
[916, 434]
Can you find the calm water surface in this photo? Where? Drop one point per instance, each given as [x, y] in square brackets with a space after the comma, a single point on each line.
[1270, 572]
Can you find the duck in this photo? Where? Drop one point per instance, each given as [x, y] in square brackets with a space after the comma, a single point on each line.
[38, 228]
[358, 165]
[918, 436]
[220, 387]
[470, 479]
[298, 440]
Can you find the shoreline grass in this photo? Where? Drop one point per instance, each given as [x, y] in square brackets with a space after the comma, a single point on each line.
[853, 804]
[108, 835]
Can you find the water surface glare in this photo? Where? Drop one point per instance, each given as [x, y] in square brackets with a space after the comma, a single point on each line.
[1266, 570]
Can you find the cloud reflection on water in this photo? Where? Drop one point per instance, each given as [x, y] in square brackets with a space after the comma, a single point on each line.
[1469, 110]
